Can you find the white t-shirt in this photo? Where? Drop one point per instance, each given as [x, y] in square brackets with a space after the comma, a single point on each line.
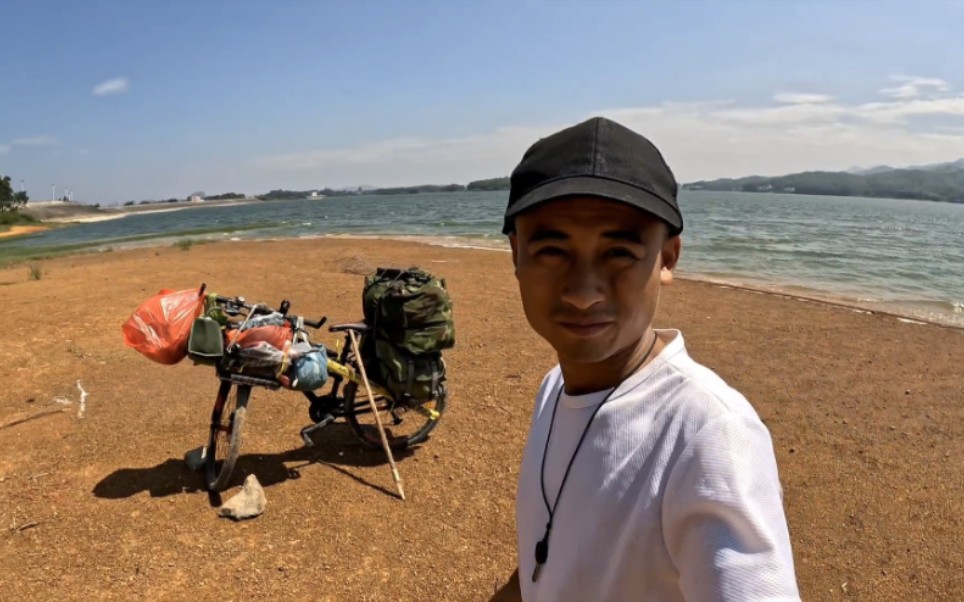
[674, 494]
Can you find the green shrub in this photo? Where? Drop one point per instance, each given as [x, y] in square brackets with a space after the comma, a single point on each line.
[12, 218]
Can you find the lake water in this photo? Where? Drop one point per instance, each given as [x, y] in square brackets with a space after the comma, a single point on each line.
[893, 255]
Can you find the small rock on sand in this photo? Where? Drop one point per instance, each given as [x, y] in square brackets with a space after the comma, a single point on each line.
[249, 503]
[195, 458]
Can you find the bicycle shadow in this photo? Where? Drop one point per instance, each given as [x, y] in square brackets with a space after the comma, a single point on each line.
[336, 447]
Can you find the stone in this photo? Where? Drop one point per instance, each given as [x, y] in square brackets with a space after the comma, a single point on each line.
[195, 458]
[249, 503]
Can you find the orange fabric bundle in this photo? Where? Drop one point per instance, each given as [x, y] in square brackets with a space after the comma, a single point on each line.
[160, 327]
[276, 336]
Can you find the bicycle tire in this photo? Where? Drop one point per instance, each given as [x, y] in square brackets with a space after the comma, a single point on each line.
[374, 441]
[226, 417]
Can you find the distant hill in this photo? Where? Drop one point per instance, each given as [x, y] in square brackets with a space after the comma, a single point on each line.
[870, 170]
[490, 184]
[943, 167]
[938, 167]
[938, 182]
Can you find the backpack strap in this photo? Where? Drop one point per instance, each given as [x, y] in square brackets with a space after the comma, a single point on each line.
[411, 379]
[435, 375]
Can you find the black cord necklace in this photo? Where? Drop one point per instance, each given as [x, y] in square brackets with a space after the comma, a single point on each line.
[542, 547]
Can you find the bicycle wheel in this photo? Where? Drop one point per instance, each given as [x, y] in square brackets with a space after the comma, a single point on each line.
[224, 442]
[404, 426]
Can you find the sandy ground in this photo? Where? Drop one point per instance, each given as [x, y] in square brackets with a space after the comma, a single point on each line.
[866, 413]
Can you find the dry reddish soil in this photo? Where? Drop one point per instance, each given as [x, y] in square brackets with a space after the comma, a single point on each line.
[866, 413]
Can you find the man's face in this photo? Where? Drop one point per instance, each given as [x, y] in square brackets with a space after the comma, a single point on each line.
[589, 273]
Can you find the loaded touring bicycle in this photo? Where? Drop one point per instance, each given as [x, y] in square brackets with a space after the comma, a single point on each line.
[407, 324]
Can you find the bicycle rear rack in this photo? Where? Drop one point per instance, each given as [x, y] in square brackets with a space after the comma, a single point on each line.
[241, 379]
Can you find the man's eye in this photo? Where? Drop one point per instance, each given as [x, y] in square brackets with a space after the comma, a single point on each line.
[551, 252]
[620, 252]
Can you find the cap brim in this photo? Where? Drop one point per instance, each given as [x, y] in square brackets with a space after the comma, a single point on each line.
[596, 187]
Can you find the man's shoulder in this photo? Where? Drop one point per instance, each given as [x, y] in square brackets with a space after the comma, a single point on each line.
[700, 387]
[549, 381]
[549, 385]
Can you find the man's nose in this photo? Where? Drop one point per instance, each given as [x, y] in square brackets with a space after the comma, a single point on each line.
[584, 286]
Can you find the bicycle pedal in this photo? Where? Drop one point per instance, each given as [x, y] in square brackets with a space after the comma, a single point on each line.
[311, 428]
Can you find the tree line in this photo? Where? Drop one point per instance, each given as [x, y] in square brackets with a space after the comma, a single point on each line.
[476, 185]
[915, 184]
[10, 200]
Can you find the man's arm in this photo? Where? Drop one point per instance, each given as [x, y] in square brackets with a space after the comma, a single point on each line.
[724, 524]
[510, 592]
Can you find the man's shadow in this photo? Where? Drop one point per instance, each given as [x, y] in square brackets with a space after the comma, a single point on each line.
[335, 447]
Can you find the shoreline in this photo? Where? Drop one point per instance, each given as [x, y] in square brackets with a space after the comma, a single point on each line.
[21, 230]
[811, 295]
[906, 313]
[853, 306]
[80, 213]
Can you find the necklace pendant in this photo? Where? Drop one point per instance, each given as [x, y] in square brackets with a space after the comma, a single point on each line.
[542, 554]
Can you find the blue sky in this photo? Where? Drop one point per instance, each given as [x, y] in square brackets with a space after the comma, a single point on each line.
[148, 100]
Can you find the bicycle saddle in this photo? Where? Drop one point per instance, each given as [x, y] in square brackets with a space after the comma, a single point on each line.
[356, 326]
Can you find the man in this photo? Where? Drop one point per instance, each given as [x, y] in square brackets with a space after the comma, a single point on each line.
[645, 476]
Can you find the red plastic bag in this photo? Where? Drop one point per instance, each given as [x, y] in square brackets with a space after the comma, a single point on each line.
[160, 327]
[276, 336]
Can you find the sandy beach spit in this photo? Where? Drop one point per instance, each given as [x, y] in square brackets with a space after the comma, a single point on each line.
[866, 414]
[21, 230]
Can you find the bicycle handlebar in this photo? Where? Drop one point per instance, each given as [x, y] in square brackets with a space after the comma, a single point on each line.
[265, 309]
[317, 323]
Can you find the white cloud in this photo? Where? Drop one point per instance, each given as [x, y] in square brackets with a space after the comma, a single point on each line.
[112, 86]
[700, 141]
[911, 87]
[29, 141]
[36, 141]
[801, 98]
[405, 160]
[899, 111]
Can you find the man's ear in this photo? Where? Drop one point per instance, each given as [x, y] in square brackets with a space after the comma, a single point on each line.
[669, 256]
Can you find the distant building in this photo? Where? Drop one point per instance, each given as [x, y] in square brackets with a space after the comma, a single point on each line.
[789, 189]
[195, 199]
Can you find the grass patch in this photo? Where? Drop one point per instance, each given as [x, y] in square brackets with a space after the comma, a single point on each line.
[77, 351]
[36, 272]
[184, 244]
[18, 255]
[15, 218]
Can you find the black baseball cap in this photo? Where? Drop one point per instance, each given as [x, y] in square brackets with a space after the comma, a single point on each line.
[598, 158]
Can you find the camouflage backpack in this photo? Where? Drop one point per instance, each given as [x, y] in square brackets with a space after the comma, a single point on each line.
[410, 315]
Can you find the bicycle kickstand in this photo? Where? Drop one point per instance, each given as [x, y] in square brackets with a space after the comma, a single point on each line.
[311, 428]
